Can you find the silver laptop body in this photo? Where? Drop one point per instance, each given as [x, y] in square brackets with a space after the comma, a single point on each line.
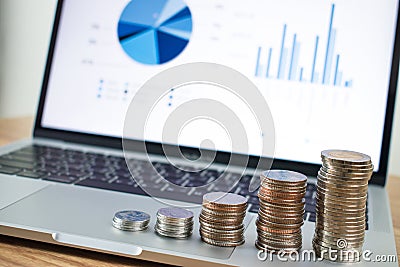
[82, 58]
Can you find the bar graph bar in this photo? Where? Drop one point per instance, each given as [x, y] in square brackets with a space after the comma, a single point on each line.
[324, 66]
[336, 70]
[282, 57]
[269, 62]
[258, 61]
[326, 78]
[301, 74]
[315, 59]
[294, 60]
[328, 54]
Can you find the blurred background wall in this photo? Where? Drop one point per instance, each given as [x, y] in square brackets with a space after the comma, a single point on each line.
[25, 27]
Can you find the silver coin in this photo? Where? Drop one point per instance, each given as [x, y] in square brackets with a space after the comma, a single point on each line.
[175, 213]
[131, 220]
[131, 228]
[174, 222]
[132, 216]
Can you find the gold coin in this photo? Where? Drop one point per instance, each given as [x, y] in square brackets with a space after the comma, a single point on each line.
[222, 199]
[285, 177]
[223, 227]
[335, 165]
[342, 183]
[341, 233]
[264, 247]
[282, 195]
[360, 200]
[280, 225]
[284, 215]
[273, 229]
[222, 243]
[352, 239]
[341, 194]
[343, 177]
[224, 214]
[338, 227]
[282, 207]
[346, 171]
[346, 157]
[339, 212]
[282, 187]
[280, 236]
[342, 187]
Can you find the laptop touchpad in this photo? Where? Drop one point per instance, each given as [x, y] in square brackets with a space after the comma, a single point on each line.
[14, 188]
[88, 212]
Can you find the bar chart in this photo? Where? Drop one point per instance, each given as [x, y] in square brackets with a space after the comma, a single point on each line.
[286, 58]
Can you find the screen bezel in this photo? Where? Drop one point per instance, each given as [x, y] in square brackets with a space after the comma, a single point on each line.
[378, 177]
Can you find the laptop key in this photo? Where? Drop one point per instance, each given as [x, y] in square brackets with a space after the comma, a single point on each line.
[62, 178]
[123, 174]
[8, 170]
[16, 164]
[101, 177]
[112, 186]
[195, 183]
[22, 157]
[31, 174]
[254, 208]
[74, 173]
[31, 149]
[253, 200]
[124, 181]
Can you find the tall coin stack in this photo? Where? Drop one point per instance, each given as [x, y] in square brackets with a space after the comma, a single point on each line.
[221, 219]
[281, 212]
[341, 203]
[174, 222]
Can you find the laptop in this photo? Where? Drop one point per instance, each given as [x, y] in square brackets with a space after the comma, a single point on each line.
[327, 70]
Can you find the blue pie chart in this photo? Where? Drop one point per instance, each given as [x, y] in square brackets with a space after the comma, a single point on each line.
[154, 32]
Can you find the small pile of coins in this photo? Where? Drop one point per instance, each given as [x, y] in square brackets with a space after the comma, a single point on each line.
[281, 212]
[221, 219]
[174, 222]
[131, 220]
[342, 188]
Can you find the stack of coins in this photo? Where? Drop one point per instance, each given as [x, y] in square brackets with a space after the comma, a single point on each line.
[221, 219]
[341, 202]
[131, 220]
[281, 212]
[174, 222]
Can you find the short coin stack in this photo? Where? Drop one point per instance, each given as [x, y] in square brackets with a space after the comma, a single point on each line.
[281, 212]
[221, 219]
[131, 220]
[341, 202]
[174, 222]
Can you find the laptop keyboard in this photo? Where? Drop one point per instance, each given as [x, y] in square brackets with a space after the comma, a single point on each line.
[111, 173]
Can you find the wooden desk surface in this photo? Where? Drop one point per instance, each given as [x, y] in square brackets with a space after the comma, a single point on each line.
[19, 252]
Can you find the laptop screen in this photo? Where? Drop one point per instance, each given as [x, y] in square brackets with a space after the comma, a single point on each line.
[322, 66]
